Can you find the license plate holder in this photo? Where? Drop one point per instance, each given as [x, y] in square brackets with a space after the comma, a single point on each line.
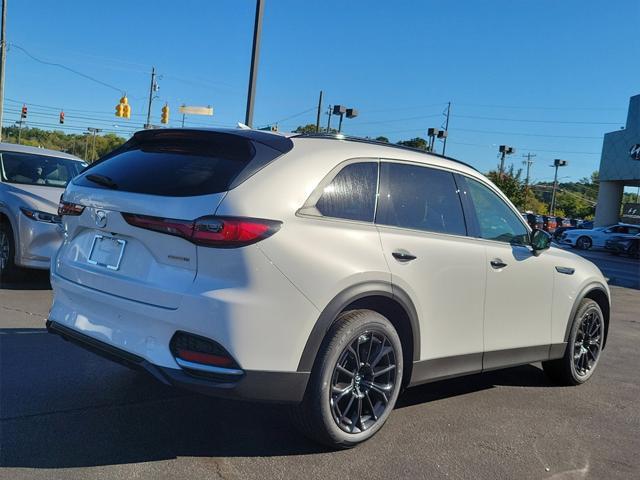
[106, 252]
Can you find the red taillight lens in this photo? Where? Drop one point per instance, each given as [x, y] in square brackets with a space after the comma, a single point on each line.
[68, 208]
[223, 232]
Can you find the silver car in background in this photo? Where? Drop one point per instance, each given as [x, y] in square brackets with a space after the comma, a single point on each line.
[31, 182]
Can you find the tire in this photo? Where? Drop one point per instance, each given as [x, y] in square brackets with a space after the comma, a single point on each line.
[584, 347]
[633, 251]
[338, 391]
[584, 243]
[8, 269]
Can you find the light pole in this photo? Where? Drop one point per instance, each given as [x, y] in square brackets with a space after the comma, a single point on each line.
[504, 150]
[556, 163]
[434, 133]
[343, 111]
[255, 55]
[3, 50]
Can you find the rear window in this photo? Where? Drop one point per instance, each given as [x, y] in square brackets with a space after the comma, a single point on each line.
[179, 164]
[33, 169]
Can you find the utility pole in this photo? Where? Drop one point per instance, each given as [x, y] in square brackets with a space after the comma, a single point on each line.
[528, 162]
[3, 54]
[93, 149]
[86, 146]
[446, 129]
[20, 130]
[255, 54]
[152, 89]
[329, 113]
[318, 115]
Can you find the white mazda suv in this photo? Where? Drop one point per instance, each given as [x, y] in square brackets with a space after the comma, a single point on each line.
[322, 271]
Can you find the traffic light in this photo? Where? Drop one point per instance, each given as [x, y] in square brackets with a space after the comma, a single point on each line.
[61, 117]
[165, 114]
[23, 113]
[123, 109]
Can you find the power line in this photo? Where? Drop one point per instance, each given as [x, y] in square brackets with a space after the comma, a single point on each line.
[69, 69]
[524, 107]
[528, 134]
[523, 120]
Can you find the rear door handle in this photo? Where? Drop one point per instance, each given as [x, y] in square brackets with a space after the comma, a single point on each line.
[497, 263]
[403, 256]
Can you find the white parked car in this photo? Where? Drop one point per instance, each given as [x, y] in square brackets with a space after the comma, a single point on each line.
[31, 183]
[321, 271]
[596, 237]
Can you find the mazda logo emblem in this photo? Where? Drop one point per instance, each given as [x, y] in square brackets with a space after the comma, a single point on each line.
[634, 151]
[101, 218]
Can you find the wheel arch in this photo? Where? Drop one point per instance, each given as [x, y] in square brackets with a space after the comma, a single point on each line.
[390, 301]
[597, 293]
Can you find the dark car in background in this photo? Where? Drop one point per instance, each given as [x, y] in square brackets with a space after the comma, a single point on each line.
[625, 245]
[534, 221]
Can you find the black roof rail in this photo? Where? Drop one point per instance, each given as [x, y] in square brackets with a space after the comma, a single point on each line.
[349, 138]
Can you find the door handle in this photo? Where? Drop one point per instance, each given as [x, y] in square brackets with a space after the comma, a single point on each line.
[403, 256]
[497, 263]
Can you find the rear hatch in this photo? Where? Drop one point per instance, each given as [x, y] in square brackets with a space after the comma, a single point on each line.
[125, 215]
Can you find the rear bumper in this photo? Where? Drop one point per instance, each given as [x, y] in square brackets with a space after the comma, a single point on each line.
[279, 387]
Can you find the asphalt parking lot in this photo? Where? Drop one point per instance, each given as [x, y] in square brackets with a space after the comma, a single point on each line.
[65, 413]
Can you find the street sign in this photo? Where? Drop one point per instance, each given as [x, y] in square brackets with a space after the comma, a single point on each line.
[191, 110]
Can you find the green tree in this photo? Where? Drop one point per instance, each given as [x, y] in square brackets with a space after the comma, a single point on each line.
[382, 139]
[510, 184]
[64, 142]
[311, 128]
[417, 142]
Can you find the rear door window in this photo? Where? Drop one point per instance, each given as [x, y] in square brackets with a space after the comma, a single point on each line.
[420, 198]
[351, 194]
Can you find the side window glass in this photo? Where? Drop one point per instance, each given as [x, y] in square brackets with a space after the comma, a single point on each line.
[420, 198]
[496, 220]
[352, 193]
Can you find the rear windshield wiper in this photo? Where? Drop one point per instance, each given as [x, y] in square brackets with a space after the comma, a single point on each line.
[102, 180]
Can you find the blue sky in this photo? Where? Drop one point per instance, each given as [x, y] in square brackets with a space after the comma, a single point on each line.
[547, 77]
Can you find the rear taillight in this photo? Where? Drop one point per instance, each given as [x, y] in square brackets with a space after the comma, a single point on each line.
[68, 208]
[222, 232]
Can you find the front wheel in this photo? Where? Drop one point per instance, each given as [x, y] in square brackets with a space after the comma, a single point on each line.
[355, 381]
[7, 252]
[582, 354]
[584, 243]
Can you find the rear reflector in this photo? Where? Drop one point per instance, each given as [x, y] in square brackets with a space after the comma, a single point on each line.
[222, 232]
[197, 349]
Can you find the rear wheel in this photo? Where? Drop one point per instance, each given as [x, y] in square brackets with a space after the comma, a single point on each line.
[583, 349]
[355, 382]
[7, 252]
[633, 250]
[584, 243]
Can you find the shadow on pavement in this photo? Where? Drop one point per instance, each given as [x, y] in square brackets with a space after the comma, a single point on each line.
[27, 279]
[63, 407]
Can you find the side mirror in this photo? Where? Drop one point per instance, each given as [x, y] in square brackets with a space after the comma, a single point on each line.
[540, 241]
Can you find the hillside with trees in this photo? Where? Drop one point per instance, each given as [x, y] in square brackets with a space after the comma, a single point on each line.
[80, 145]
